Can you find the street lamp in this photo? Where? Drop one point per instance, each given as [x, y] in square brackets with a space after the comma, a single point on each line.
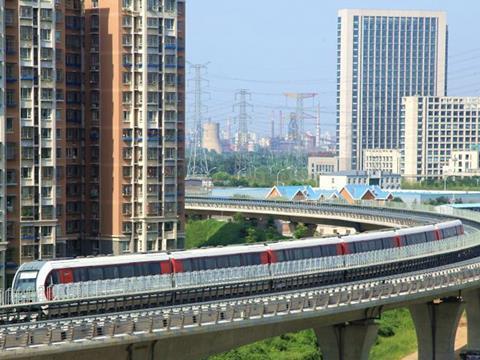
[279, 171]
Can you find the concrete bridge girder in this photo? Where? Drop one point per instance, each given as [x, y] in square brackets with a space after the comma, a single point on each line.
[350, 341]
[360, 224]
[436, 325]
[472, 307]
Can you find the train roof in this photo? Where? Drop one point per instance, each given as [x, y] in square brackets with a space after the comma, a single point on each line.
[416, 229]
[369, 236]
[108, 260]
[446, 224]
[308, 242]
[32, 266]
[219, 251]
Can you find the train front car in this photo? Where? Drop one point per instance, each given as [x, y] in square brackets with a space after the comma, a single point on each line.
[449, 229]
[28, 283]
[92, 276]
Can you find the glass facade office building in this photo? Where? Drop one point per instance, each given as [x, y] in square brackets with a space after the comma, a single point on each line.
[383, 55]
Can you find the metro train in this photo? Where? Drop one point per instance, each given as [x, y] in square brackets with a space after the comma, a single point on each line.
[40, 275]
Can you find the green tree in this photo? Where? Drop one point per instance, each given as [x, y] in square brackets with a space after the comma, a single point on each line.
[300, 231]
[239, 218]
[251, 235]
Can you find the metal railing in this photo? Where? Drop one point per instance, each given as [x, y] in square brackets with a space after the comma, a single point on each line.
[203, 317]
[110, 287]
[219, 276]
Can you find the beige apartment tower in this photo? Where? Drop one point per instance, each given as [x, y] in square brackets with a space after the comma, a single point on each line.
[134, 125]
[383, 55]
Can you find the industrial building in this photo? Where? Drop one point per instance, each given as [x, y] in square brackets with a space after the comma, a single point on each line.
[211, 137]
[383, 55]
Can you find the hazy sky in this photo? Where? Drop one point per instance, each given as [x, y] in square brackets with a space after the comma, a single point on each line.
[274, 46]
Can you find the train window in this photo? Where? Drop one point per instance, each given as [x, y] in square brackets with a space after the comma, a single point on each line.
[289, 255]
[126, 271]
[145, 269]
[316, 251]
[246, 259]
[388, 243]
[307, 253]
[95, 273]
[154, 268]
[80, 275]
[26, 281]
[186, 265]
[110, 272]
[416, 238]
[235, 260]
[329, 250]
[280, 255]
[140, 269]
[251, 259]
[222, 261]
[197, 264]
[430, 236]
[449, 232]
[210, 263]
[55, 279]
[297, 254]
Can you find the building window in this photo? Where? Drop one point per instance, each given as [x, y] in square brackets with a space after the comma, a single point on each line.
[9, 127]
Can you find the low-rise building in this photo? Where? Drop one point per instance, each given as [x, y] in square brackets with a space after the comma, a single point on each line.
[354, 193]
[385, 160]
[297, 193]
[342, 178]
[326, 163]
[463, 163]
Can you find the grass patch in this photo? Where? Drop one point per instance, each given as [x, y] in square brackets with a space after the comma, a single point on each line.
[397, 336]
[297, 346]
[212, 233]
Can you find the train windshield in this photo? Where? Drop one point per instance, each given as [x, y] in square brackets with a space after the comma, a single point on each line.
[26, 281]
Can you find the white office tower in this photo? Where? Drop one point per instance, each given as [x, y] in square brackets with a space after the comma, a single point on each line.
[383, 55]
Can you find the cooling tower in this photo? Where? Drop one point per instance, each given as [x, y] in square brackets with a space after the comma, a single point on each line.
[211, 137]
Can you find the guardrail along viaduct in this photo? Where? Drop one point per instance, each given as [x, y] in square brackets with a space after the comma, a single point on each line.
[436, 281]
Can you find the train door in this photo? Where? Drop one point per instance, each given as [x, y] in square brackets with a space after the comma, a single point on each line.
[66, 276]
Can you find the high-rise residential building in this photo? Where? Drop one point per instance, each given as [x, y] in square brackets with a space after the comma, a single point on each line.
[435, 129]
[92, 147]
[44, 202]
[383, 55]
[3, 240]
[134, 124]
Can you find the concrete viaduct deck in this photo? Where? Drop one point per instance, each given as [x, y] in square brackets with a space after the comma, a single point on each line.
[343, 316]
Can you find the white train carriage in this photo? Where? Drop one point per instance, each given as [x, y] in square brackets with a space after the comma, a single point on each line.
[44, 276]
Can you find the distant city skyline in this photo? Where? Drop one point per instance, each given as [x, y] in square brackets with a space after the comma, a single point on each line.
[261, 47]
